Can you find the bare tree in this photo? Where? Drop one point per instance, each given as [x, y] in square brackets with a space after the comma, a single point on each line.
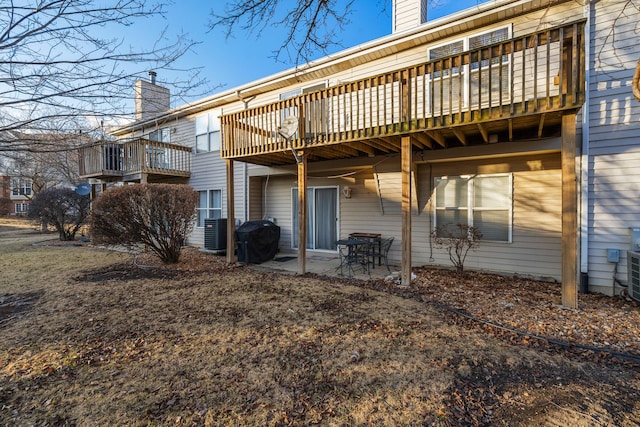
[45, 169]
[60, 74]
[312, 26]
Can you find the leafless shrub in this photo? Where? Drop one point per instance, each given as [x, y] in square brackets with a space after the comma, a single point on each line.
[457, 240]
[62, 208]
[160, 216]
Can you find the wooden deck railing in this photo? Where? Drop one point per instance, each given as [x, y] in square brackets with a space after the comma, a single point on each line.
[534, 73]
[113, 159]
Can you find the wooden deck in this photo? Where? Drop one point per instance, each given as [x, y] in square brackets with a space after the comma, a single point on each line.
[516, 89]
[136, 160]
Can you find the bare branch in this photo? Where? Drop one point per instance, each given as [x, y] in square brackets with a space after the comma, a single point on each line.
[58, 72]
[312, 25]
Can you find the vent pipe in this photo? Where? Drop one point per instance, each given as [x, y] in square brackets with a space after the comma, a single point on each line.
[152, 77]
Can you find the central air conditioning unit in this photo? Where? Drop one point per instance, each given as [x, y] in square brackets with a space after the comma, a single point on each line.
[633, 265]
[215, 234]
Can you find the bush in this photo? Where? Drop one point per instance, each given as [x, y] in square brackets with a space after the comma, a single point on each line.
[160, 216]
[62, 208]
[457, 240]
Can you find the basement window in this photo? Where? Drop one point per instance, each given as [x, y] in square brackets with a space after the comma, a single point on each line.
[481, 201]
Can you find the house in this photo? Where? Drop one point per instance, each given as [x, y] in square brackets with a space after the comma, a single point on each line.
[514, 116]
[20, 194]
[15, 193]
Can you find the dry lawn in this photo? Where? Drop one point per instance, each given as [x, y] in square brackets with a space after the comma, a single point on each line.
[88, 338]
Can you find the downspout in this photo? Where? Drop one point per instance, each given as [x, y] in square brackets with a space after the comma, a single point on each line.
[584, 158]
[245, 180]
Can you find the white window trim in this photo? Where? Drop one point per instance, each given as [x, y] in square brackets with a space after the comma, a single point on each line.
[466, 71]
[207, 208]
[21, 187]
[213, 127]
[21, 208]
[162, 132]
[470, 202]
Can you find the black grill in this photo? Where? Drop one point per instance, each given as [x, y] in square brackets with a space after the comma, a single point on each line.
[257, 241]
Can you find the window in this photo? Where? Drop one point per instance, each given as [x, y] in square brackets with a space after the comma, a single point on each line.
[160, 135]
[482, 201]
[22, 208]
[210, 205]
[316, 112]
[20, 187]
[478, 79]
[208, 132]
[489, 77]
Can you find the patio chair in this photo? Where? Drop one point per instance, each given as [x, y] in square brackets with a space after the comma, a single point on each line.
[354, 254]
[385, 245]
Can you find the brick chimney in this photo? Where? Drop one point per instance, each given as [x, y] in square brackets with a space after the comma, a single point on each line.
[408, 14]
[151, 99]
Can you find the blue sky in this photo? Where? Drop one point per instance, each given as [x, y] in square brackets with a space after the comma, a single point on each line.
[230, 62]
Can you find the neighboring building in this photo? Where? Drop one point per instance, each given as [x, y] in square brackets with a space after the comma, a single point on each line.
[20, 193]
[515, 116]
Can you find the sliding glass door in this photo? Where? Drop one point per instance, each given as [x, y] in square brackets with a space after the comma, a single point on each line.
[322, 218]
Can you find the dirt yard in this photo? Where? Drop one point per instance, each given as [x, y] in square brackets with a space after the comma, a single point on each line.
[89, 338]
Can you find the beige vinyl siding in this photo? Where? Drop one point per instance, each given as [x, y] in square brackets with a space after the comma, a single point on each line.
[208, 172]
[389, 59]
[256, 199]
[614, 145]
[408, 14]
[535, 249]
[277, 203]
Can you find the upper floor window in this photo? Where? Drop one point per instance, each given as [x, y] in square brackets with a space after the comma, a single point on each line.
[208, 132]
[20, 187]
[160, 135]
[480, 82]
[315, 120]
[481, 201]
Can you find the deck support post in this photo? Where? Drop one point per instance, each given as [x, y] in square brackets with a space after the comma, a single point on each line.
[569, 213]
[302, 213]
[406, 210]
[231, 214]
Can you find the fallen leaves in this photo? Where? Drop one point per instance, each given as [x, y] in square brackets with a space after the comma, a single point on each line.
[204, 343]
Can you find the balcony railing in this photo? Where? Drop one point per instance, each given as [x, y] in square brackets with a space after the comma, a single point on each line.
[116, 160]
[527, 75]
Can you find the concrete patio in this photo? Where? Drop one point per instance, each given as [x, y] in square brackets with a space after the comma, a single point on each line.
[326, 264]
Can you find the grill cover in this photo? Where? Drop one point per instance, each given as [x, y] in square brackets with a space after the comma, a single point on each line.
[257, 241]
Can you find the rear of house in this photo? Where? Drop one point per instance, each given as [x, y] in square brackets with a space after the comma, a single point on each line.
[481, 95]
[514, 116]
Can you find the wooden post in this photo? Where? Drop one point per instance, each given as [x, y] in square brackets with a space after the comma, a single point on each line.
[231, 214]
[302, 213]
[406, 210]
[569, 213]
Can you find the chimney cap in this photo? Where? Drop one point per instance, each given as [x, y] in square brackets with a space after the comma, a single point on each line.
[152, 76]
